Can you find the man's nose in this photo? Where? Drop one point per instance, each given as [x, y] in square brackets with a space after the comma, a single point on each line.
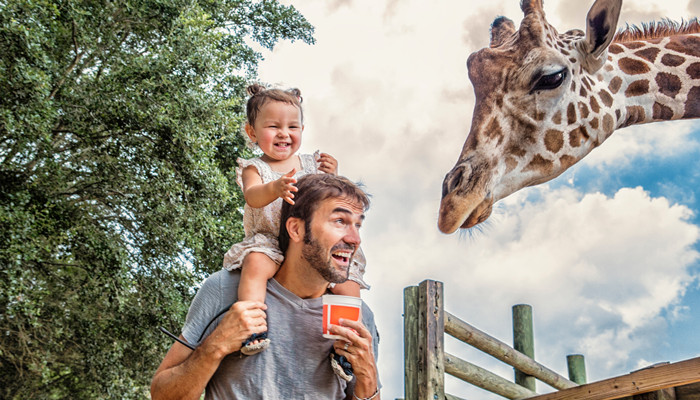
[352, 236]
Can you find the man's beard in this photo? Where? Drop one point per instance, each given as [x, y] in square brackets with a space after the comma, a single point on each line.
[314, 253]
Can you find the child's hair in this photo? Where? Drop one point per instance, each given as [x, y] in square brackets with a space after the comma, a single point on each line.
[259, 95]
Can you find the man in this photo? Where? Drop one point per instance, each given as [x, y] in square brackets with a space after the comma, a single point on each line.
[319, 235]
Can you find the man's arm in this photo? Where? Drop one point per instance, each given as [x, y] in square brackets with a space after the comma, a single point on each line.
[184, 373]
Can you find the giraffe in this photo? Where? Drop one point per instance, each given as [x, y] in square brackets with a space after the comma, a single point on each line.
[544, 100]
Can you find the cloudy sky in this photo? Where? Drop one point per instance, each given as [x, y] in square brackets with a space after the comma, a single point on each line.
[607, 254]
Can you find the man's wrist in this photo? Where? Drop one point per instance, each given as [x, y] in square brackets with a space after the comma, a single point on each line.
[376, 392]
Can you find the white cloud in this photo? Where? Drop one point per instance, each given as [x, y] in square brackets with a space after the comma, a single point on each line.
[386, 91]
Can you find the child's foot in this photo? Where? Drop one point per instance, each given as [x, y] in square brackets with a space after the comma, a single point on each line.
[256, 343]
[341, 366]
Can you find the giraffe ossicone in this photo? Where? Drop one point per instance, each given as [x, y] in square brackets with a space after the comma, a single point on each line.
[544, 100]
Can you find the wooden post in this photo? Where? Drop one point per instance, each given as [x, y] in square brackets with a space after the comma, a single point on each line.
[523, 341]
[577, 368]
[431, 350]
[410, 344]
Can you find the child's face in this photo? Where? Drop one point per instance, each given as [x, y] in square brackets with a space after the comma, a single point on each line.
[277, 130]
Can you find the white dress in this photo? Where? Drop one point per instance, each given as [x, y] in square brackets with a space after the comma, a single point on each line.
[262, 225]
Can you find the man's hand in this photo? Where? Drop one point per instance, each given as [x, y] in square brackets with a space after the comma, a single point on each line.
[327, 164]
[357, 348]
[243, 319]
[284, 187]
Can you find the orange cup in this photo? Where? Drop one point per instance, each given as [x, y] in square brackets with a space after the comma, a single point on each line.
[336, 307]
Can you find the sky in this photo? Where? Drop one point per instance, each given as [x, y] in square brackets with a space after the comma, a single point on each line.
[607, 254]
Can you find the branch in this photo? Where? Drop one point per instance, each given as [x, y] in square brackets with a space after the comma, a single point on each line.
[72, 66]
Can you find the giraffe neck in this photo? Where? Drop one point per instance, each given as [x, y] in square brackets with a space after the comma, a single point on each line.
[652, 80]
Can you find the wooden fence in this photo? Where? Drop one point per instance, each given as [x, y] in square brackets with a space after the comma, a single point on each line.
[426, 362]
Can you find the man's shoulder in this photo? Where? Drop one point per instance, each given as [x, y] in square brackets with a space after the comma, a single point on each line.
[221, 281]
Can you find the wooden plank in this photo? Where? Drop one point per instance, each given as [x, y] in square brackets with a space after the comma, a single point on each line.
[410, 342]
[642, 381]
[431, 332]
[484, 378]
[501, 351]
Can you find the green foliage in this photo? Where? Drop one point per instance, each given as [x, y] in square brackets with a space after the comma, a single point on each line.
[119, 131]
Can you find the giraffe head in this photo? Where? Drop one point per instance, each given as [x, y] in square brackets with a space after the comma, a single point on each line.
[530, 86]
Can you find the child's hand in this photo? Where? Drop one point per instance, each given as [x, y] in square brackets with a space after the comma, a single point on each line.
[328, 164]
[284, 186]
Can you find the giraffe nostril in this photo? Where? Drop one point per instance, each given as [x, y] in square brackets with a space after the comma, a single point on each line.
[452, 180]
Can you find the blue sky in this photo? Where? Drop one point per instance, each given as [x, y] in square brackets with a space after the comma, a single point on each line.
[607, 254]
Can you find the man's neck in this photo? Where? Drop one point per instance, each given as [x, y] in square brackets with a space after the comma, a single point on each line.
[300, 279]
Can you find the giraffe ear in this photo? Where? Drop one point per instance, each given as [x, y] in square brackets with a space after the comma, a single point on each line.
[501, 29]
[601, 24]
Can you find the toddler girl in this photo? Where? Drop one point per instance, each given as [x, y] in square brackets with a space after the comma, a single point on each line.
[275, 124]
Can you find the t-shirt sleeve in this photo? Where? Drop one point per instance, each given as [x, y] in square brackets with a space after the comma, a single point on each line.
[204, 307]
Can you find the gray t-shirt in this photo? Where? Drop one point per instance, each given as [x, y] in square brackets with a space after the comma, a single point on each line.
[295, 366]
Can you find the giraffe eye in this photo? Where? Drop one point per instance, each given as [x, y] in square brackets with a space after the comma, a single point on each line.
[550, 81]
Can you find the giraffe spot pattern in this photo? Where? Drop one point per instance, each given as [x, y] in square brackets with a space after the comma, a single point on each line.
[649, 54]
[633, 67]
[635, 115]
[556, 118]
[669, 84]
[594, 105]
[615, 49]
[672, 60]
[618, 113]
[634, 45]
[583, 109]
[692, 108]
[566, 161]
[693, 70]
[608, 124]
[564, 52]
[606, 98]
[554, 140]
[685, 44]
[572, 60]
[661, 112]
[609, 67]
[511, 163]
[583, 92]
[539, 163]
[587, 81]
[578, 136]
[571, 114]
[494, 131]
[637, 88]
[594, 123]
[615, 84]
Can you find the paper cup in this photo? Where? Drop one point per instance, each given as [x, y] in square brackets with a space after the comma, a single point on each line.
[336, 307]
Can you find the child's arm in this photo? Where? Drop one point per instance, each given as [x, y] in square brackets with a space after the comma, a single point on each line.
[258, 194]
[328, 164]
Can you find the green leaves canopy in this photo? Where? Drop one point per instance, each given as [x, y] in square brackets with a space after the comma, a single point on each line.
[119, 130]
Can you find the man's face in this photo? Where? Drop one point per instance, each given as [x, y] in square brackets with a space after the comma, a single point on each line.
[333, 238]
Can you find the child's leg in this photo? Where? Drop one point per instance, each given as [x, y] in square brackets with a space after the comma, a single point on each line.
[256, 270]
[347, 288]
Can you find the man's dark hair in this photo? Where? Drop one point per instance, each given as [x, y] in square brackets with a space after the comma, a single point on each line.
[313, 189]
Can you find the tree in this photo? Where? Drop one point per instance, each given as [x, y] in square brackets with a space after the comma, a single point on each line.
[119, 131]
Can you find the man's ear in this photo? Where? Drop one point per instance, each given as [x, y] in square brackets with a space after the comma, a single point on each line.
[296, 229]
